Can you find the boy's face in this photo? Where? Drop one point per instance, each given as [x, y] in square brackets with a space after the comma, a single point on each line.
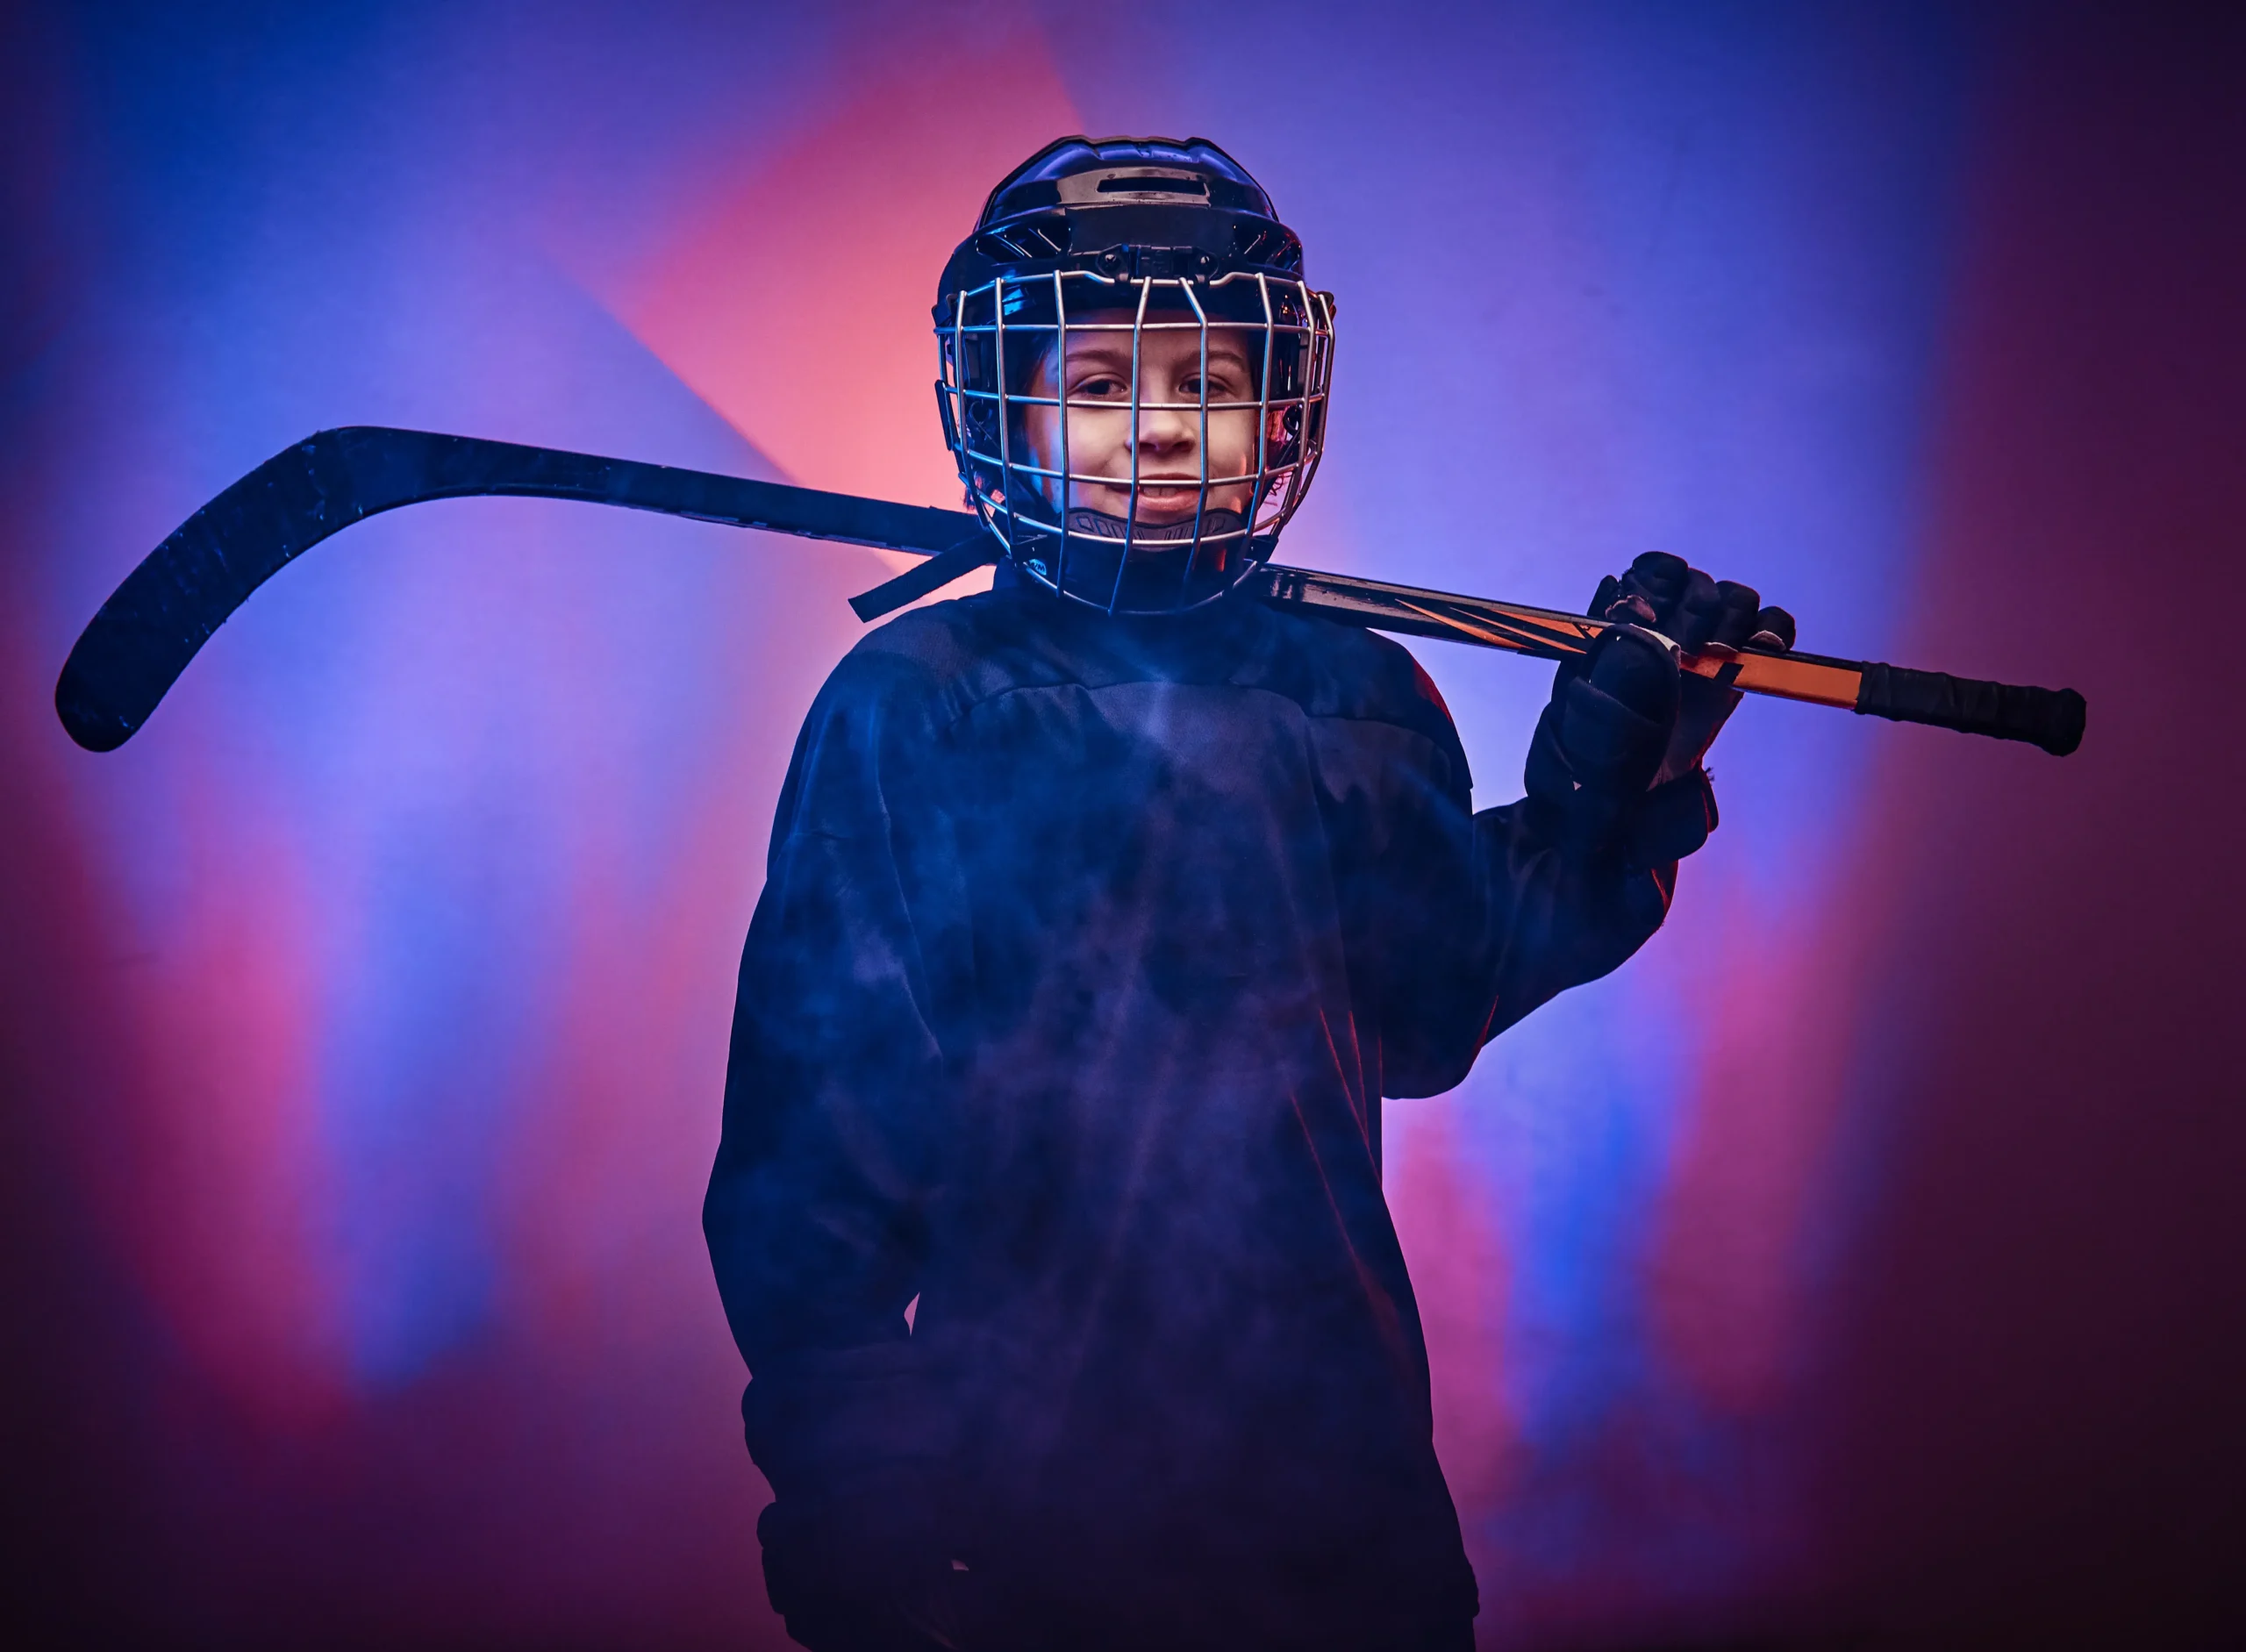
[1167, 440]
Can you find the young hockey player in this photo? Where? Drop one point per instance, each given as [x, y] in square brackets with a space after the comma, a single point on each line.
[1101, 913]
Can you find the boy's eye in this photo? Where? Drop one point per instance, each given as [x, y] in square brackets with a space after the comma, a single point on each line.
[1103, 385]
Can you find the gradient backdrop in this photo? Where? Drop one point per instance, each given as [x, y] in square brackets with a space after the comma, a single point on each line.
[1861, 1261]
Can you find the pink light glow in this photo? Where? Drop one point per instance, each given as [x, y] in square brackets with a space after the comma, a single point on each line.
[796, 300]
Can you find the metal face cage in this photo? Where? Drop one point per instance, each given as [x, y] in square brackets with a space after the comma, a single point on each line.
[1003, 341]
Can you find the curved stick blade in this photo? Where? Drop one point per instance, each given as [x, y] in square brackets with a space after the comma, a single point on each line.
[135, 649]
[152, 625]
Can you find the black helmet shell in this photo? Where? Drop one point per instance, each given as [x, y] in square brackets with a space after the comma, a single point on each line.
[1132, 207]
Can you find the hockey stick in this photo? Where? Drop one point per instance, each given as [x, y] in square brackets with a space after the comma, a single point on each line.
[135, 649]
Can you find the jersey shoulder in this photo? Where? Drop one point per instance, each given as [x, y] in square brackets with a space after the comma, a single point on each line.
[1339, 670]
[959, 652]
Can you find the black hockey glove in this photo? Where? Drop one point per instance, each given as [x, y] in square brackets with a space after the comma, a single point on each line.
[856, 1555]
[1666, 596]
[861, 1566]
[1617, 752]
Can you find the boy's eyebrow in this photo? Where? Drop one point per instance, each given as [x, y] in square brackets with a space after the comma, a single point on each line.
[1099, 344]
[1116, 346]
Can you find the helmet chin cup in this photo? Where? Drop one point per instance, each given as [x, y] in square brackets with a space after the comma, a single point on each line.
[1144, 238]
[1162, 569]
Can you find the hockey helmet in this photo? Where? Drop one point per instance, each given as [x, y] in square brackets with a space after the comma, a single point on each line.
[1171, 249]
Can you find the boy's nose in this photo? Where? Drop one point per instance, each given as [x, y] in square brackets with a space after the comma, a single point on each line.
[1166, 429]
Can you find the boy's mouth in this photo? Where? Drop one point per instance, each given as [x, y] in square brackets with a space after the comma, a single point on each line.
[1163, 498]
[1175, 491]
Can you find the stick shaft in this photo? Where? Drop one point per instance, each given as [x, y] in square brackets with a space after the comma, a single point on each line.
[1545, 633]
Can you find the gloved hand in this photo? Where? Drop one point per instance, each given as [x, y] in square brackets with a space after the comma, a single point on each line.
[1618, 750]
[861, 1566]
[858, 1546]
[1665, 595]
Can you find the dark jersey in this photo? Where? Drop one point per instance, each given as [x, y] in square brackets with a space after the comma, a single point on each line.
[1087, 950]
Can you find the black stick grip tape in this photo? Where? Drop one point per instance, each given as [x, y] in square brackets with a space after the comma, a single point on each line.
[2049, 717]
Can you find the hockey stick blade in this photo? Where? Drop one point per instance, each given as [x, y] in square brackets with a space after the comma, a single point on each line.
[135, 649]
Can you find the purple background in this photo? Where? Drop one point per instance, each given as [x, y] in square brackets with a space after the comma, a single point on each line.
[1861, 1261]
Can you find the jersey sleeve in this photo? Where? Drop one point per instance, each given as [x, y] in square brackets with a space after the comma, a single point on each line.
[839, 1079]
[1483, 916]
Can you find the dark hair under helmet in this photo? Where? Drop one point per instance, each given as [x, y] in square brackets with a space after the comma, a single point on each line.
[1130, 237]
